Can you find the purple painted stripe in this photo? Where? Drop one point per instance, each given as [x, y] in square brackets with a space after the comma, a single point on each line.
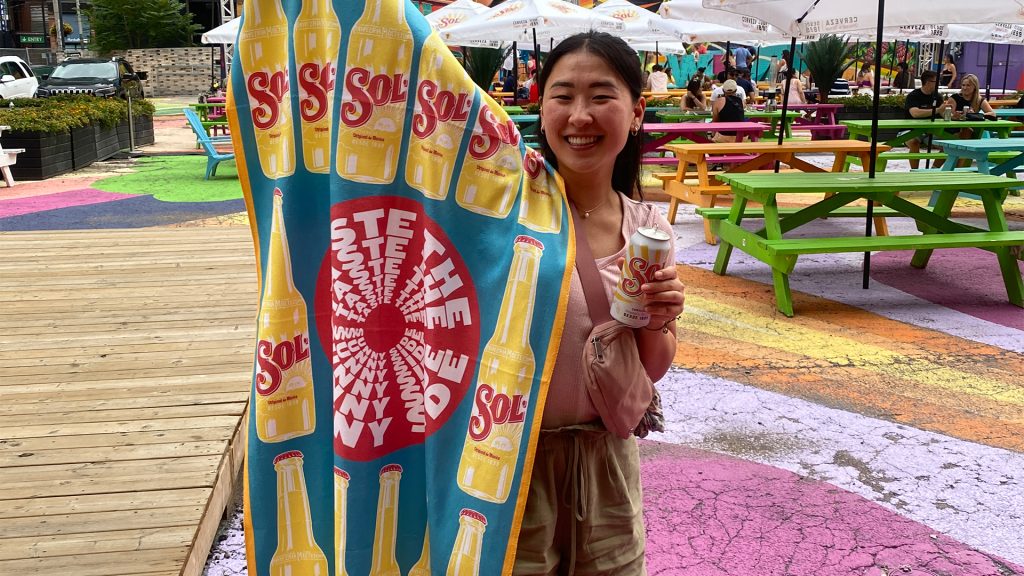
[964, 279]
[83, 197]
[713, 515]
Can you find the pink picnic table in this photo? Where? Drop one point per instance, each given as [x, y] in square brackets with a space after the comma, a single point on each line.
[819, 113]
[660, 134]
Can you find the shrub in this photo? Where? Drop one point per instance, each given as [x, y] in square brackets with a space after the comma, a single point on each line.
[888, 102]
[62, 113]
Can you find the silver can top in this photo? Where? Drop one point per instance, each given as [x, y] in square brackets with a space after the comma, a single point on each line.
[654, 233]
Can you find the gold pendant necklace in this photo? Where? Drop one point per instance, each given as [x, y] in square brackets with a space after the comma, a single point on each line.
[586, 213]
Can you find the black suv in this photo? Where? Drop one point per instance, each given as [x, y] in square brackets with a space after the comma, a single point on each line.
[95, 76]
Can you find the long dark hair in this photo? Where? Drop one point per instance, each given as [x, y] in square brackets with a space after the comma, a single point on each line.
[626, 64]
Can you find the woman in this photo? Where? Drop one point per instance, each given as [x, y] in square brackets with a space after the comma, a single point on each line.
[796, 89]
[693, 100]
[584, 512]
[902, 80]
[947, 78]
[969, 97]
[866, 79]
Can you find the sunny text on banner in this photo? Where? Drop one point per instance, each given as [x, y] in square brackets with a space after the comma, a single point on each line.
[284, 372]
[317, 36]
[263, 54]
[374, 95]
[491, 450]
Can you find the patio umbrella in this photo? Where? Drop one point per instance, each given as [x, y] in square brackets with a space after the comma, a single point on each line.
[641, 24]
[838, 16]
[530, 21]
[456, 13]
[226, 33]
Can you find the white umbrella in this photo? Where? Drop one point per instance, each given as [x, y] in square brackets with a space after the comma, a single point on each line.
[529, 21]
[799, 17]
[695, 11]
[642, 24]
[226, 33]
[456, 13]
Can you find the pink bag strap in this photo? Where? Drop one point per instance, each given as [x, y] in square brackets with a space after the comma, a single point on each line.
[590, 278]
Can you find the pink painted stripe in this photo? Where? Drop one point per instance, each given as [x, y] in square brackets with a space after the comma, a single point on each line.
[83, 197]
[713, 515]
[967, 280]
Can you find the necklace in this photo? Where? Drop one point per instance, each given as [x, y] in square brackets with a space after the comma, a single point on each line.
[586, 213]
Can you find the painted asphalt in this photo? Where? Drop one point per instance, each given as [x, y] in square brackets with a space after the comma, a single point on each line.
[878, 432]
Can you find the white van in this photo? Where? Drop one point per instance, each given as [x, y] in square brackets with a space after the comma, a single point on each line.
[16, 78]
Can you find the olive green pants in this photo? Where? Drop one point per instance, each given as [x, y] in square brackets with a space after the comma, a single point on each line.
[584, 511]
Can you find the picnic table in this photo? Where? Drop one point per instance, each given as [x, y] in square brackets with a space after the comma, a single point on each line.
[694, 182]
[661, 133]
[213, 117]
[773, 117]
[916, 128]
[1009, 112]
[939, 231]
[990, 154]
[528, 124]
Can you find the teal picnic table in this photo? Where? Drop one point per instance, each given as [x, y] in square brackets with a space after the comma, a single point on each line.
[1009, 112]
[772, 117]
[939, 231]
[998, 156]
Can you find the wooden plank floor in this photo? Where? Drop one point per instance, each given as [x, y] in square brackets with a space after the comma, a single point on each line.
[125, 359]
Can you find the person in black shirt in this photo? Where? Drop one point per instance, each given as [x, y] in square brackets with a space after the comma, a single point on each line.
[728, 108]
[902, 79]
[924, 102]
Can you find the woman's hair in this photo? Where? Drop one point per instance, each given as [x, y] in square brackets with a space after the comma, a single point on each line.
[694, 87]
[976, 99]
[949, 58]
[624, 62]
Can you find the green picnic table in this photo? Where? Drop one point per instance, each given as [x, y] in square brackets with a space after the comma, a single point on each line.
[939, 231]
[772, 117]
[916, 128]
[510, 109]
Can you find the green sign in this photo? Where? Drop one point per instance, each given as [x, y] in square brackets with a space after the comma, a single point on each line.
[31, 39]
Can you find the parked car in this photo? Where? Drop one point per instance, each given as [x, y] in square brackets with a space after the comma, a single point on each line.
[16, 78]
[42, 71]
[95, 76]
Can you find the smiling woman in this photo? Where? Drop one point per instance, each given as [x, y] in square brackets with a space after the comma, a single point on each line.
[590, 115]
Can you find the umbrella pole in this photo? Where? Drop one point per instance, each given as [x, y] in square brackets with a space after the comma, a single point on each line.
[942, 48]
[1006, 69]
[757, 60]
[874, 135]
[938, 61]
[536, 50]
[988, 72]
[785, 95]
[515, 74]
[728, 52]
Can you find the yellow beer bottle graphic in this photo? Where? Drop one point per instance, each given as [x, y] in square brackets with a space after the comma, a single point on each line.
[284, 371]
[341, 479]
[492, 169]
[422, 566]
[374, 93]
[503, 385]
[297, 552]
[443, 103]
[541, 205]
[465, 560]
[386, 533]
[263, 54]
[317, 36]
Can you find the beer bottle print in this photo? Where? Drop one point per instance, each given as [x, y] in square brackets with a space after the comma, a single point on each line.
[297, 551]
[465, 559]
[385, 536]
[317, 36]
[492, 169]
[341, 480]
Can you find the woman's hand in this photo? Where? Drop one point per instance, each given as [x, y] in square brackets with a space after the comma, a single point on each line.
[663, 297]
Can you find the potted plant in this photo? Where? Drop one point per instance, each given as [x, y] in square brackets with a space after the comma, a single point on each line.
[482, 64]
[826, 59]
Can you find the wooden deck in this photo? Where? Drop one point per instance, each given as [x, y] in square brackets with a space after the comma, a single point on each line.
[125, 360]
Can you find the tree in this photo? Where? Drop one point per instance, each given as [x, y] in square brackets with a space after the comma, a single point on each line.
[128, 24]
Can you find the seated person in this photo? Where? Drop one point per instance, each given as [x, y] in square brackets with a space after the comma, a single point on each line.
[903, 79]
[727, 108]
[866, 78]
[924, 102]
[970, 98]
[717, 92]
[509, 84]
[657, 82]
[694, 99]
[840, 87]
[796, 89]
[743, 81]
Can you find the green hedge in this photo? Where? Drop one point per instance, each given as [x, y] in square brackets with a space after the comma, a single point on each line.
[864, 102]
[61, 113]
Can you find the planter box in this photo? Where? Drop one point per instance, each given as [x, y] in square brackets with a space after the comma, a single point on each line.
[144, 134]
[107, 143]
[83, 147]
[45, 156]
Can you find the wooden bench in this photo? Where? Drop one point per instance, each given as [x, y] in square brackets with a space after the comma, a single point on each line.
[8, 158]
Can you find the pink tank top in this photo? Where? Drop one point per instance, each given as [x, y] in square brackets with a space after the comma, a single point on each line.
[567, 400]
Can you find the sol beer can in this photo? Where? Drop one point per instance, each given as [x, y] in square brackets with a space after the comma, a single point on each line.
[646, 254]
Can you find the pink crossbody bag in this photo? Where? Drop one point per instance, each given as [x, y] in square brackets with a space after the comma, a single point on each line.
[617, 382]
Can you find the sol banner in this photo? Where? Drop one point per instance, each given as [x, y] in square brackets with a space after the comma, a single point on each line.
[414, 257]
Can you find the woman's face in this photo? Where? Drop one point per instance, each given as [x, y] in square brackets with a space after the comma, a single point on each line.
[968, 88]
[587, 114]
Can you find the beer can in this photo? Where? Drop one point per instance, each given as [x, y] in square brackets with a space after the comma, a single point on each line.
[646, 253]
